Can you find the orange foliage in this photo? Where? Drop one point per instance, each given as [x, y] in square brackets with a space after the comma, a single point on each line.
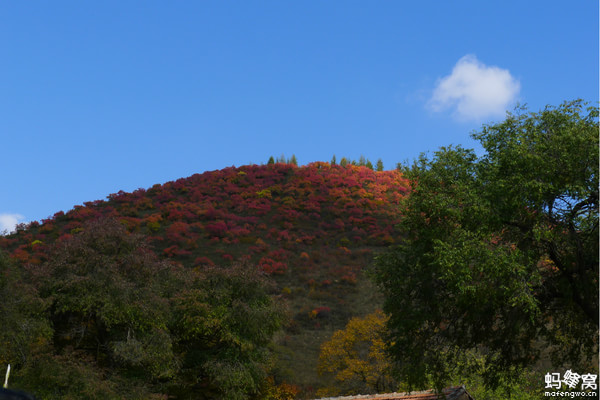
[357, 358]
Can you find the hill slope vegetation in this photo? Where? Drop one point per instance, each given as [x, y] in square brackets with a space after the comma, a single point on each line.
[312, 230]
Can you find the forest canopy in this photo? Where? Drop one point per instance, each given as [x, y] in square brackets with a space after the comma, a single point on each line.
[105, 317]
[500, 255]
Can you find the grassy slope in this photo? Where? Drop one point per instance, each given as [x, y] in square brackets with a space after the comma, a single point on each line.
[313, 228]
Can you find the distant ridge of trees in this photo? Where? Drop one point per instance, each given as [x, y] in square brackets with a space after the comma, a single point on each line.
[361, 162]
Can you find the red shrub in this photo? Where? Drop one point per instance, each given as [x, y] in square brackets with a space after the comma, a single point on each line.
[216, 229]
[272, 267]
[203, 261]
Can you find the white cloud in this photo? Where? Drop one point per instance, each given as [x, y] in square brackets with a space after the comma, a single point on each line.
[9, 221]
[475, 91]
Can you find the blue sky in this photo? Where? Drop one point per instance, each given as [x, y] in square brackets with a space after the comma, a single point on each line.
[97, 97]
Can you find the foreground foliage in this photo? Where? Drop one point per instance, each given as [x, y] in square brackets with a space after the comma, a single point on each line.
[500, 255]
[109, 320]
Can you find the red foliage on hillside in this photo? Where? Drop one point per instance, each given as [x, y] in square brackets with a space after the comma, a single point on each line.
[316, 223]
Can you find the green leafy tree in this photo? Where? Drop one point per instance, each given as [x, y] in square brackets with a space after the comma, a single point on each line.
[91, 321]
[500, 255]
[25, 329]
[379, 165]
[333, 160]
[225, 320]
[105, 290]
[112, 321]
[271, 161]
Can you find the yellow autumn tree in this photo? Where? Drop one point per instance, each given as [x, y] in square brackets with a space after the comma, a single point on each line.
[356, 357]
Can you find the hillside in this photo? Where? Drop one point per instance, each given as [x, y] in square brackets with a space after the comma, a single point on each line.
[312, 228]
